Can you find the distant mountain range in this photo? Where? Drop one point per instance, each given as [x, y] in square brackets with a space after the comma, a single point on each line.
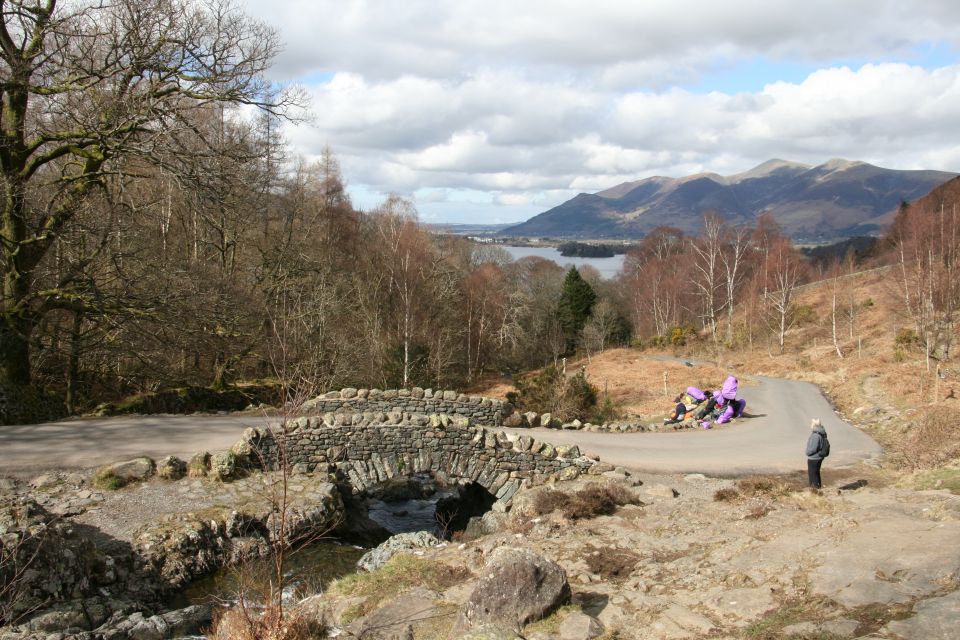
[834, 200]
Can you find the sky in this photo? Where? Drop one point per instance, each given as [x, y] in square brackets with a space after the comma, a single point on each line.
[492, 111]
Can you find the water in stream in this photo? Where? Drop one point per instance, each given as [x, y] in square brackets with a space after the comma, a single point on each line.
[311, 569]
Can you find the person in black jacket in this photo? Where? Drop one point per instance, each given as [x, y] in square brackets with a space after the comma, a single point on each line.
[818, 448]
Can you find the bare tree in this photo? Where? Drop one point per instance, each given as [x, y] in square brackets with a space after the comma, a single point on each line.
[785, 270]
[733, 256]
[86, 87]
[707, 250]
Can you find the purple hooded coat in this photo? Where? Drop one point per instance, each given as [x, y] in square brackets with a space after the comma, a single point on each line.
[696, 394]
[727, 397]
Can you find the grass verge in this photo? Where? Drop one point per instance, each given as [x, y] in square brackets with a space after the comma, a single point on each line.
[400, 574]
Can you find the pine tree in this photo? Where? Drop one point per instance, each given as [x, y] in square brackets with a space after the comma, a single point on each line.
[576, 302]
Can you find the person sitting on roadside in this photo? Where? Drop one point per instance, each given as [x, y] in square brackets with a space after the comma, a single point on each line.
[687, 401]
[723, 405]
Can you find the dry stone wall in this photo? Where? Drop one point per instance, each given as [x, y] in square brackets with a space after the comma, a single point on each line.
[367, 455]
[481, 410]
[28, 405]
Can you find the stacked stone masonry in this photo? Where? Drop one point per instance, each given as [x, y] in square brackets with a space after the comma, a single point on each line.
[368, 455]
[481, 410]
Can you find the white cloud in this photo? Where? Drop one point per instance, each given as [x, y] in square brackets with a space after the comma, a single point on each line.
[519, 106]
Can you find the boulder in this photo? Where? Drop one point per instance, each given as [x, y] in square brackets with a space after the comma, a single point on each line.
[376, 558]
[348, 393]
[171, 468]
[199, 464]
[568, 451]
[533, 418]
[569, 473]
[518, 586]
[580, 626]
[222, 465]
[136, 470]
[514, 421]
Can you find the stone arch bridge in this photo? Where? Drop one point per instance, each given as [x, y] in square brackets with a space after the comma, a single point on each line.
[367, 453]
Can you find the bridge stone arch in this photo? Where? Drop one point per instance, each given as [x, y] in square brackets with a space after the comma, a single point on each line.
[367, 455]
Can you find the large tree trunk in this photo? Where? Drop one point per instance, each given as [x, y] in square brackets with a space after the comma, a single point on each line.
[14, 350]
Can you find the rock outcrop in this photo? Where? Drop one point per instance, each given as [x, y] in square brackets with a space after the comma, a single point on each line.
[518, 586]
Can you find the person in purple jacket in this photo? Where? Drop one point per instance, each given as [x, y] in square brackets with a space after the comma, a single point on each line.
[723, 397]
[687, 402]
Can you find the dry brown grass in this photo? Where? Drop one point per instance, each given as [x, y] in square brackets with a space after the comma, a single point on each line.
[268, 624]
[766, 487]
[611, 564]
[873, 374]
[932, 441]
[635, 383]
[591, 501]
[727, 494]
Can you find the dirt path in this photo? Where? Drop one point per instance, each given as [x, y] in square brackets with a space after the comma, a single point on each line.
[770, 442]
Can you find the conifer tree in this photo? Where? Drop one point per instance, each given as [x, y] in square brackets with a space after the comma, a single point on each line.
[576, 303]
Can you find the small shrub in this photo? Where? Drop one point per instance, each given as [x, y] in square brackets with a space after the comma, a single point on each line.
[105, 479]
[550, 391]
[932, 441]
[764, 486]
[611, 564]
[598, 500]
[758, 510]
[906, 338]
[549, 501]
[866, 304]
[608, 411]
[270, 623]
[659, 341]
[804, 314]
[727, 494]
[591, 501]
[681, 335]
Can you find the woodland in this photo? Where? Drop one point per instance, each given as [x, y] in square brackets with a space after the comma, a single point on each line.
[157, 232]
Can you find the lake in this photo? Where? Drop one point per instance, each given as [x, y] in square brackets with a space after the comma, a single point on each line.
[608, 267]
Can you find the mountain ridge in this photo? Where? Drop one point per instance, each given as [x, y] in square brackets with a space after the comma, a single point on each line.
[836, 199]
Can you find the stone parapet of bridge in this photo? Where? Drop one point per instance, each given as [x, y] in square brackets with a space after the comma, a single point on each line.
[481, 410]
[365, 456]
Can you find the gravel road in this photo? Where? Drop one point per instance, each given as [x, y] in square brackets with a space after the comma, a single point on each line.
[770, 442]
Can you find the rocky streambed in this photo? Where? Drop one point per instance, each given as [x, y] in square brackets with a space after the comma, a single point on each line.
[659, 557]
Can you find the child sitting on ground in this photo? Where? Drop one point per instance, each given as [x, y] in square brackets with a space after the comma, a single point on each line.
[687, 401]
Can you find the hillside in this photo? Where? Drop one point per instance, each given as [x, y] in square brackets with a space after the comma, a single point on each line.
[837, 199]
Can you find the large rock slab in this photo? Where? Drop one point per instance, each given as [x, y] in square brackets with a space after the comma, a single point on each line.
[580, 626]
[740, 606]
[864, 569]
[376, 558]
[680, 622]
[518, 586]
[419, 613]
[934, 619]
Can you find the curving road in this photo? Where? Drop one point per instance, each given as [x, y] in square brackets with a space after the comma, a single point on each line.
[770, 442]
